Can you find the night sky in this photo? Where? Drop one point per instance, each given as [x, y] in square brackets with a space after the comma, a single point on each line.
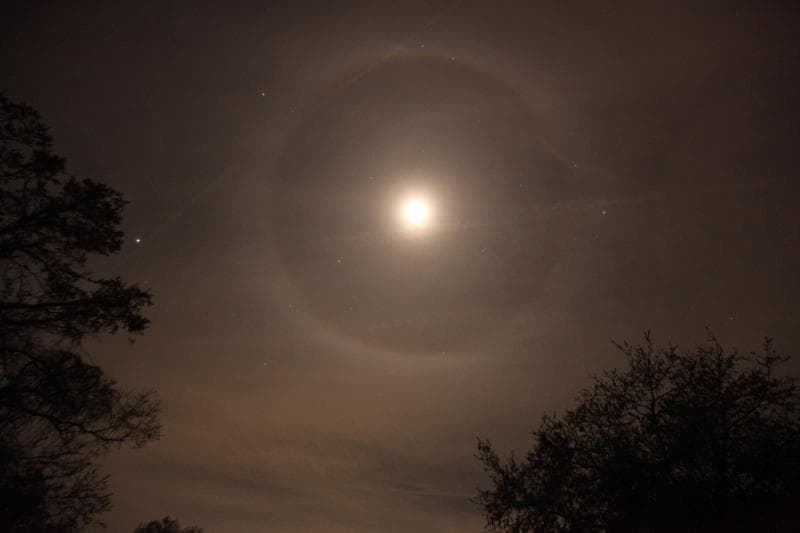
[588, 171]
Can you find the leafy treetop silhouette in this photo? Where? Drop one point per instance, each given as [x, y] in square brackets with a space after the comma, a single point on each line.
[58, 411]
[699, 440]
[166, 525]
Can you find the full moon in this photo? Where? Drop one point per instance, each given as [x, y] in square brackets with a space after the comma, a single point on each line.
[416, 212]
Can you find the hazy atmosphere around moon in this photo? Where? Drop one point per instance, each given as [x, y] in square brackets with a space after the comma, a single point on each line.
[585, 172]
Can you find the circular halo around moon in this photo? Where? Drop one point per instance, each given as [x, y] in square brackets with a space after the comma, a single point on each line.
[351, 212]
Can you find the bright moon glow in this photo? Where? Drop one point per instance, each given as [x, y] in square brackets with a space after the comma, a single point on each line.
[416, 212]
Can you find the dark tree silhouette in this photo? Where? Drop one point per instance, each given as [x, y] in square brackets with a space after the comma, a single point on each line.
[703, 440]
[166, 525]
[58, 411]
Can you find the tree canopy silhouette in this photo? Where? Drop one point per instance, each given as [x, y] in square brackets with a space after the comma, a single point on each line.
[699, 440]
[166, 525]
[58, 411]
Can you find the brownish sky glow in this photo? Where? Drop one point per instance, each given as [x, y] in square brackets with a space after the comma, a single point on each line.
[590, 170]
